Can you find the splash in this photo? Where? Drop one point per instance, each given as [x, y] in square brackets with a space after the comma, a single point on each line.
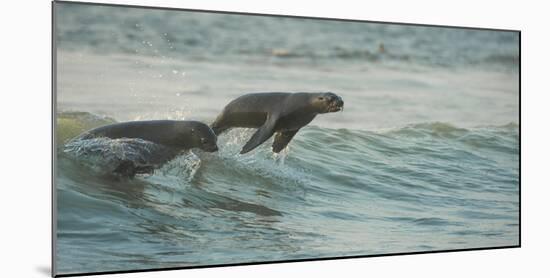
[184, 166]
[280, 157]
[104, 155]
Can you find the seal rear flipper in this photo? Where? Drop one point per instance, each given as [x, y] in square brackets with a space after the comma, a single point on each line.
[282, 139]
[262, 134]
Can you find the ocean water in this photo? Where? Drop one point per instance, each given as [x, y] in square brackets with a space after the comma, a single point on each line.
[424, 157]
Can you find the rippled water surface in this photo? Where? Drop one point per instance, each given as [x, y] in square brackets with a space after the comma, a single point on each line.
[424, 157]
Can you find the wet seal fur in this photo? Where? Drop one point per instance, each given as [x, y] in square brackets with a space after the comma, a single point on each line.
[282, 114]
[177, 136]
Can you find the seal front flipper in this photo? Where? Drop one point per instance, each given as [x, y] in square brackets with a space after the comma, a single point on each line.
[282, 139]
[263, 133]
[128, 168]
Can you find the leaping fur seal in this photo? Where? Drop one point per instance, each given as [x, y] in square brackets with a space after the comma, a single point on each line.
[176, 136]
[282, 114]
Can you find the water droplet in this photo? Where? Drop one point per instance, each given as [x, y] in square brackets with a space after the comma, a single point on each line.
[174, 71]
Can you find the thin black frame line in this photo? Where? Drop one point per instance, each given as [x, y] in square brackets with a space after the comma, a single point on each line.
[287, 261]
[286, 16]
[53, 138]
[54, 111]
[519, 140]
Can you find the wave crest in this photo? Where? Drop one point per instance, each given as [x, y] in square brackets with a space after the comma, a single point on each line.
[72, 123]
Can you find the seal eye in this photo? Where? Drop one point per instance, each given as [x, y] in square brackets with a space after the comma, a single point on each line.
[321, 98]
[203, 140]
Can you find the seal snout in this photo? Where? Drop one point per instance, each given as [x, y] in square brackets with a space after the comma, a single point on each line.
[336, 103]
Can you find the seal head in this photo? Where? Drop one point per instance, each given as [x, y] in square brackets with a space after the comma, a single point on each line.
[196, 136]
[327, 102]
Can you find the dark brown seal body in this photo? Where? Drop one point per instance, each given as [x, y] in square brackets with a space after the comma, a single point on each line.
[176, 136]
[282, 114]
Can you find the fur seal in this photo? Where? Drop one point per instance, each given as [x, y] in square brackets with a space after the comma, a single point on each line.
[175, 136]
[282, 114]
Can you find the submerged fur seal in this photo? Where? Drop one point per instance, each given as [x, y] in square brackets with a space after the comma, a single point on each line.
[176, 136]
[282, 114]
